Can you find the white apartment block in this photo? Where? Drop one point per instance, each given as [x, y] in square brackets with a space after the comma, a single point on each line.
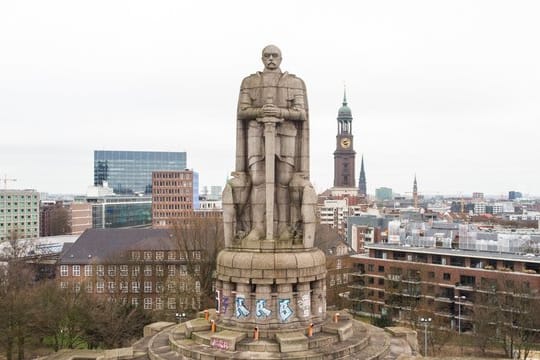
[19, 214]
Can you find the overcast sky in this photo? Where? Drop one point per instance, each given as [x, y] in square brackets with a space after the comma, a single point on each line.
[449, 90]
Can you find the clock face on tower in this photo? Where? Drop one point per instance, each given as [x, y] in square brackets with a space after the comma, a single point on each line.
[345, 143]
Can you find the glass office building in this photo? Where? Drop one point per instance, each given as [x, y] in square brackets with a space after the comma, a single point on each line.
[121, 212]
[130, 172]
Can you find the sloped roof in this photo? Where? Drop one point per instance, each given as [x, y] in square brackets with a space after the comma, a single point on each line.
[105, 244]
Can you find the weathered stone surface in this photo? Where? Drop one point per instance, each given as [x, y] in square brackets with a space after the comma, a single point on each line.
[292, 341]
[154, 328]
[226, 340]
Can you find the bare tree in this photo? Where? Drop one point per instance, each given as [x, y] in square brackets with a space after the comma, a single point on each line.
[199, 240]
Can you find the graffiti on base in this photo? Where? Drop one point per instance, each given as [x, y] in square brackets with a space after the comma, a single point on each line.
[304, 304]
[261, 311]
[220, 344]
[241, 309]
[224, 304]
[285, 310]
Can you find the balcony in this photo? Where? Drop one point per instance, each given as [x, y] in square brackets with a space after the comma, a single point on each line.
[443, 299]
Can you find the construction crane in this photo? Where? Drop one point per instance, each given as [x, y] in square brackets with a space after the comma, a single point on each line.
[5, 179]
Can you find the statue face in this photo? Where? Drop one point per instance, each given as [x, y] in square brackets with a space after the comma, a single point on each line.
[271, 57]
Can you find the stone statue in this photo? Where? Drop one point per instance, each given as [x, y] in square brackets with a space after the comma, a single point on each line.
[269, 196]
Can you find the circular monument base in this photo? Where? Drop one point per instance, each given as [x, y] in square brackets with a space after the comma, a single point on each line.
[271, 291]
[336, 338]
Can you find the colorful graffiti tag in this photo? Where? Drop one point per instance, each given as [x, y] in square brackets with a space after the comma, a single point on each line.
[241, 309]
[285, 310]
[261, 312]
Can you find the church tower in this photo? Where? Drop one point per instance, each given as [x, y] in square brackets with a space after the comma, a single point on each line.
[362, 188]
[344, 156]
[415, 192]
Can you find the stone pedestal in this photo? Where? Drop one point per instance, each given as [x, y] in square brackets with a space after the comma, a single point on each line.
[271, 290]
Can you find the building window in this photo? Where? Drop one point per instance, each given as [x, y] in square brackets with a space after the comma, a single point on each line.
[111, 286]
[148, 303]
[197, 268]
[171, 286]
[370, 267]
[147, 255]
[159, 304]
[124, 286]
[160, 255]
[88, 287]
[171, 303]
[171, 270]
[381, 268]
[171, 256]
[63, 270]
[87, 270]
[183, 270]
[147, 286]
[100, 270]
[76, 270]
[135, 269]
[182, 286]
[135, 286]
[380, 281]
[135, 302]
[100, 286]
[196, 255]
[123, 270]
[135, 255]
[63, 285]
[446, 276]
[148, 270]
[111, 270]
[338, 264]
[159, 270]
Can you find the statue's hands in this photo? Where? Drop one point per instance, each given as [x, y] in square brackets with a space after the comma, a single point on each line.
[271, 110]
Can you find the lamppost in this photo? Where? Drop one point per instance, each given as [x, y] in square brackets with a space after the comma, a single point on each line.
[458, 300]
[180, 317]
[426, 322]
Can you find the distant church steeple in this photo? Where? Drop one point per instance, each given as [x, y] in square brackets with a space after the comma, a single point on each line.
[415, 192]
[344, 156]
[362, 188]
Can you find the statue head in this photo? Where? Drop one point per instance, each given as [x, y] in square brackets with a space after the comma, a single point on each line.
[271, 57]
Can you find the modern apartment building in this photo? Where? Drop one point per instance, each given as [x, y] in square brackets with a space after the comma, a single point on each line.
[19, 214]
[404, 281]
[130, 172]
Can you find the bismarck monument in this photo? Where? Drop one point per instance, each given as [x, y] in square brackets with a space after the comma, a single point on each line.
[270, 279]
[270, 276]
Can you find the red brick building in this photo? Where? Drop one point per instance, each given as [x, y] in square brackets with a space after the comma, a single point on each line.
[140, 266]
[175, 198]
[404, 283]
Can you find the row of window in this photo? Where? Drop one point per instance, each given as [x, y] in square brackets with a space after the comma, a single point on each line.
[172, 191]
[172, 175]
[18, 197]
[187, 199]
[148, 303]
[123, 270]
[172, 183]
[134, 288]
[160, 255]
